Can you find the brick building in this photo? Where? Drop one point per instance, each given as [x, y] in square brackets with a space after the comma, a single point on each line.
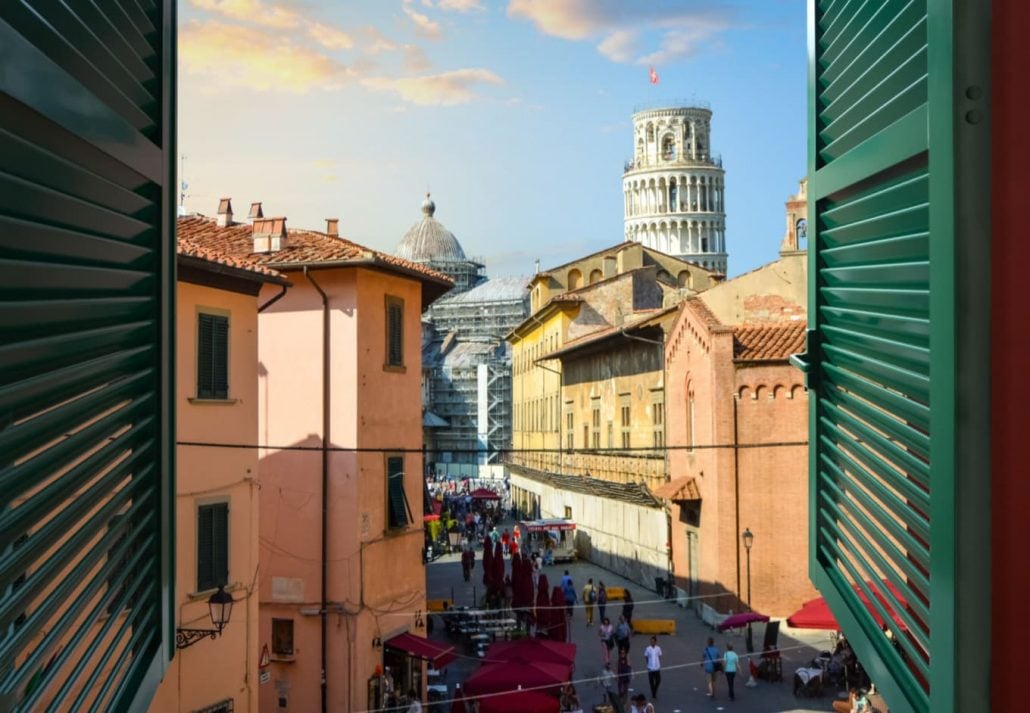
[737, 415]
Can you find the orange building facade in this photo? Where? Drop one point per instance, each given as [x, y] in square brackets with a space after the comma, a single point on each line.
[341, 471]
[216, 486]
[737, 429]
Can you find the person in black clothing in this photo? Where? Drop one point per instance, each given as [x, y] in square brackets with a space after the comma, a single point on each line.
[627, 608]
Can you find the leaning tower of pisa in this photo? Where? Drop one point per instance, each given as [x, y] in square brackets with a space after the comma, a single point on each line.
[674, 186]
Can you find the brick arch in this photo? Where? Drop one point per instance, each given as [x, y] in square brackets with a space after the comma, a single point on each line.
[744, 393]
[761, 391]
[797, 389]
[779, 391]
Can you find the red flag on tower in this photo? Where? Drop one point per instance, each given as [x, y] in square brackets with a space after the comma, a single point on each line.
[654, 76]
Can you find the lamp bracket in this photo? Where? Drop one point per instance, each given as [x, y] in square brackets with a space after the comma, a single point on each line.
[185, 638]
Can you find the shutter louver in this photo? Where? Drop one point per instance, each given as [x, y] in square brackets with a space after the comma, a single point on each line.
[884, 201]
[205, 548]
[87, 250]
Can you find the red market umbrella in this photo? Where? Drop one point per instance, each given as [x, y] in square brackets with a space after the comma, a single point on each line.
[510, 676]
[488, 555]
[543, 604]
[542, 650]
[497, 562]
[558, 628]
[736, 621]
[519, 702]
[484, 494]
[816, 614]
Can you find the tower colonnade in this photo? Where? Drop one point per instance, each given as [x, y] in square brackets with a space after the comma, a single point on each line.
[674, 188]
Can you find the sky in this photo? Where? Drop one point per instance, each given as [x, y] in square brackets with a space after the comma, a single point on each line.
[515, 114]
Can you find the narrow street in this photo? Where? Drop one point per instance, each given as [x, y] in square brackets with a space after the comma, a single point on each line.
[683, 684]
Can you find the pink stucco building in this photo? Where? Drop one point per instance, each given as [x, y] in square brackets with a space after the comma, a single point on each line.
[341, 472]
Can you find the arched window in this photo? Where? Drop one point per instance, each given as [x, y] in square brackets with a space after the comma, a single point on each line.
[683, 279]
[595, 276]
[650, 133]
[668, 147]
[673, 195]
[802, 230]
[575, 279]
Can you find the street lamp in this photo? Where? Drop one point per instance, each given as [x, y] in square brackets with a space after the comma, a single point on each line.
[749, 539]
[220, 608]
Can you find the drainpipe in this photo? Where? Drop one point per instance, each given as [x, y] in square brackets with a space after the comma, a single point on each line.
[282, 293]
[736, 491]
[323, 606]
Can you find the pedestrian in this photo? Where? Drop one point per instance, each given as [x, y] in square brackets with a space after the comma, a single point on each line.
[713, 664]
[415, 705]
[611, 686]
[653, 656]
[589, 597]
[569, 590]
[602, 600]
[607, 633]
[566, 580]
[640, 704]
[627, 608]
[730, 662]
[622, 634]
[569, 701]
[468, 562]
[625, 673]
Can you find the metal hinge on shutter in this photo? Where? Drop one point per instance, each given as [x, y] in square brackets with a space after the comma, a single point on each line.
[804, 360]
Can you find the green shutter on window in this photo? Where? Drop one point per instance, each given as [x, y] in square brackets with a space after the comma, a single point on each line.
[212, 356]
[398, 511]
[87, 260]
[896, 307]
[395, 333]
[212, 546]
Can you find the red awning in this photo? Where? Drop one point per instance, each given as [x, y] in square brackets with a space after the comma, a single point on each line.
[816, 614]
[484, 494]
[439, 655]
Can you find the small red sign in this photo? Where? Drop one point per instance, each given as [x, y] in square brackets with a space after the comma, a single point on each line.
[265, 658]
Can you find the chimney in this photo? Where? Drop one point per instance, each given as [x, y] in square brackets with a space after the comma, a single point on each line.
[224, 212]
[332, 227]
[255, 211]
[269, 234]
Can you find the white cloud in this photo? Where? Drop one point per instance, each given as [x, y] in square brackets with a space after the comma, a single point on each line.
[423, 25]
[447, 89]
[253, 11]
[257, 59]
[460, 5]
[376, 41]
[658, 31]
[330, 37]
[416, 59]
[620, 46]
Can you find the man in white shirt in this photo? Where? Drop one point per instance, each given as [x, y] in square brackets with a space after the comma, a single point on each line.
[653, 654]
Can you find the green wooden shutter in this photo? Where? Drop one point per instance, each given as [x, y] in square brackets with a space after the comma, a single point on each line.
[898, 283]
[395, 333]
[398, 512]
[87, 258]
[212, 546]
[212, 356]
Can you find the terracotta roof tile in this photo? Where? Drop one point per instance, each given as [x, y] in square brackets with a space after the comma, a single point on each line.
[767, 342]
[304, 247]
[701, 310]
[188, 248]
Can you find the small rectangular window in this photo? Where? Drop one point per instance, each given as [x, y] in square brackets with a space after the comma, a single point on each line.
[394, 332]
[568, 512]
[212, 356]
[624, 419]
[282, 637]
[212, 546]
[397, 508]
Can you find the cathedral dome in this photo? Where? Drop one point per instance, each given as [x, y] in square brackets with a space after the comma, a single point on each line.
[429, 241]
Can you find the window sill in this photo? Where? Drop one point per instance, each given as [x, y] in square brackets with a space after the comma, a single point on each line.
[200, 401]
[282, 658]
[395, 368]
[204, 595]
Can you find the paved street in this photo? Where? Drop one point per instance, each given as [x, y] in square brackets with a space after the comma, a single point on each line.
[683, 686]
